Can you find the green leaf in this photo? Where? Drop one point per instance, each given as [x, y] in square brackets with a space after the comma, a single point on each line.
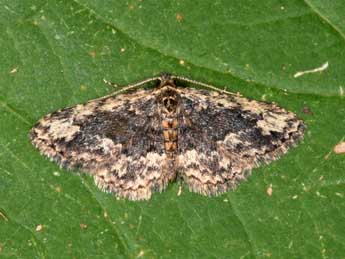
[56, 53]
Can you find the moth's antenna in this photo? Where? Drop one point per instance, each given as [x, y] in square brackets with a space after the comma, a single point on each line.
[192, 81]
[130, 86]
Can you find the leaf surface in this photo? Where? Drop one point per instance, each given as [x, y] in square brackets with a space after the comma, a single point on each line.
[56, 53]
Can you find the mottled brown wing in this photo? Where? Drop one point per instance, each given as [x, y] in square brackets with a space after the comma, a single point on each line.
[222, 137]
[116, 139]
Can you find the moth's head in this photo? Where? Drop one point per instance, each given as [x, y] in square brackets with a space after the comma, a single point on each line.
[165, 79]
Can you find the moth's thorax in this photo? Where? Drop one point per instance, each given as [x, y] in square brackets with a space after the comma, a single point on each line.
[168, 101]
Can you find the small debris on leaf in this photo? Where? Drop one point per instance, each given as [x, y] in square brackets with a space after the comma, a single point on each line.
[56, 174]
[141, 254]
[179, 17]
[39, 227]
[339, 148]
[269, 190]
[14, 70]
[92, 53]
[306, 110]
[82, 226]
[319, 69]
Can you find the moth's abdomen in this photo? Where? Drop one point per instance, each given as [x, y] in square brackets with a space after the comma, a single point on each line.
[170, 126]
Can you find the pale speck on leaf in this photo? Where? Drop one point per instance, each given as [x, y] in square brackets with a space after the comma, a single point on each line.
[141, 254]
[339, 194]
[92, 53]
[39, 228]
[269, 190]
[83, 88]
[341, 91]
[339, 148]
[179, 17]
[14, 70]
[56, 173]
[82, 226]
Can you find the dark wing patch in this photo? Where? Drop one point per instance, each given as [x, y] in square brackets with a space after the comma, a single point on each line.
[223, 137]
[116, 139]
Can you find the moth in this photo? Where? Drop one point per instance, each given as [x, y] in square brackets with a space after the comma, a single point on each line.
[135, 140]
